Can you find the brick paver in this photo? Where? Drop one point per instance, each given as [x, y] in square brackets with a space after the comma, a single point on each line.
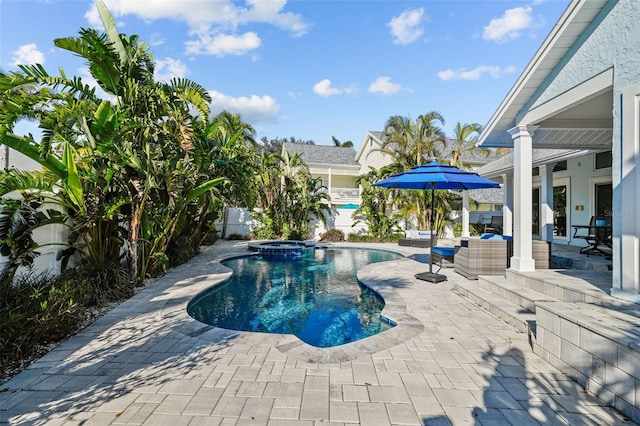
[447, 362]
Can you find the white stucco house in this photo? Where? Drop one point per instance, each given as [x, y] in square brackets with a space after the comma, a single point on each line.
[578, 100]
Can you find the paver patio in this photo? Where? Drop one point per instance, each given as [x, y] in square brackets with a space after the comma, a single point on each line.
[448, 362]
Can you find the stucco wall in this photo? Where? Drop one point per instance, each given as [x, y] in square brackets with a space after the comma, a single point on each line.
[606, 43]
[581, 174]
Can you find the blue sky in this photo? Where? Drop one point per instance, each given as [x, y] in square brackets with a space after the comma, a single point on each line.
[310, 69]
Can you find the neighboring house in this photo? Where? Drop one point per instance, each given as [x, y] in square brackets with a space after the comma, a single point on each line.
[335, 165]
[578, 101]
[338, 169]
[10, 158]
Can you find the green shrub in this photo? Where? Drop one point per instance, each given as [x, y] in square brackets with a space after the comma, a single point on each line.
[475, 229]
[40, 310]
[355, 238]
[236, 236]
[111, 283]
[332, 235]
[181, 250]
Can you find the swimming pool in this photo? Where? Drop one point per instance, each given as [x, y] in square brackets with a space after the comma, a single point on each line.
[315, 296]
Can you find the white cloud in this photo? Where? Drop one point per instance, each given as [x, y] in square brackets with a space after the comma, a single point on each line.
[207, 20]
[169, 68]
[156, 39]
[27, 54]
[407, 27]
[509, 26]
[221, 44]
[476, 73]
[385, 86]
[253, 109]
[324, 89]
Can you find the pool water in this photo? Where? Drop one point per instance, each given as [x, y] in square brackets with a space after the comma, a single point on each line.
[315, 296]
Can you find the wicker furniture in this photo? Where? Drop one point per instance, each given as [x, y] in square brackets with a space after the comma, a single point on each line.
[480, 257]
[493, 256]
[415, 238]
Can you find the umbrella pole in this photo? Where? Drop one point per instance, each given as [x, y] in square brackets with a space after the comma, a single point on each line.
[433, 199]
[430, 276]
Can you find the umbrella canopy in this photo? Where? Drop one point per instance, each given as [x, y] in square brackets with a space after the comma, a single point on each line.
[433, 176]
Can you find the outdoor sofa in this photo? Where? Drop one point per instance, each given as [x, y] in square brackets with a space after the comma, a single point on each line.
[492, 256]
[416, 238]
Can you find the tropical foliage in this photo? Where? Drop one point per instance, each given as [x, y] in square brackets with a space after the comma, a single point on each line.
[135, 170]
[138, 166]
[287, 198]
[412, 143]
[374, 206]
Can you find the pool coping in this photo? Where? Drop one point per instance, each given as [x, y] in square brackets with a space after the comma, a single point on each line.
[395, 309]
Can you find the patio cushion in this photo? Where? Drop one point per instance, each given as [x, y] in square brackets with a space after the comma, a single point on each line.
[444, 251]
[440, 254]
[495, 237]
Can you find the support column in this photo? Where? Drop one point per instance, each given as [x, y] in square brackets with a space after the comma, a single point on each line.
[507, 204]
[329, 187]
[546, 207]
[465, 214]
[626, 203]
[522, 259]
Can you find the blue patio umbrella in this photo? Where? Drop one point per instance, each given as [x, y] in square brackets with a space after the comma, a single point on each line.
[434, 176]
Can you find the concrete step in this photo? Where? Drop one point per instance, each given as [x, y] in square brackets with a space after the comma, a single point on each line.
[567, 285]
[522, 296]
[509, 312]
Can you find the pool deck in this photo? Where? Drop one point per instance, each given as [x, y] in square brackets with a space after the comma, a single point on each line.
[448, 362]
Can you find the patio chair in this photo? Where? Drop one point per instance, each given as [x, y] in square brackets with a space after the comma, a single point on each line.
[598, 233]
[492, 256]
[475, 257]
[495, 226]
[439, 255]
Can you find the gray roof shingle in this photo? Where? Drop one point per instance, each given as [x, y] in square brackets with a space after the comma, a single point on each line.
[323, 154]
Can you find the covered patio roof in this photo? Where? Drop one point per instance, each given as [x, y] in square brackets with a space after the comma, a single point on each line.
[504, 165]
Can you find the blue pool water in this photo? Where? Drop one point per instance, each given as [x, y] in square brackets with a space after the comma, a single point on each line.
[315, 296]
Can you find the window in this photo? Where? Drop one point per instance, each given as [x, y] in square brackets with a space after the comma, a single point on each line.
[560, 211]
[535, 214]
[603, 196]
[560, 166]
[603, 160]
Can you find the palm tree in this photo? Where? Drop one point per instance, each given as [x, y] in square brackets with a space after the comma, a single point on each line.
[465, 137]
[345, 144]
[234, 137]
[412, 144]
[231, 125]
